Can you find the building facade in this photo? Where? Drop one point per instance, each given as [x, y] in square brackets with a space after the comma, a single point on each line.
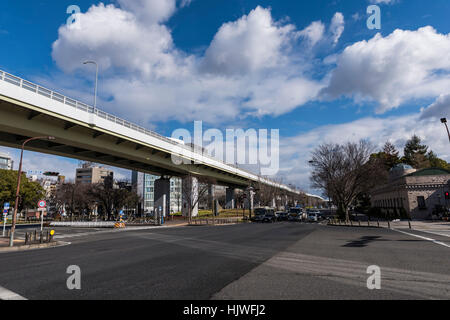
[419, 194]
[92, 175]
[6, 162]
[144, 185]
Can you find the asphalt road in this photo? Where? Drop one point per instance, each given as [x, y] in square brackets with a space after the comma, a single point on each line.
[251, 261]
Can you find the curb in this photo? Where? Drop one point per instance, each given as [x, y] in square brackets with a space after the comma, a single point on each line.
[356, 226]
[34, 247]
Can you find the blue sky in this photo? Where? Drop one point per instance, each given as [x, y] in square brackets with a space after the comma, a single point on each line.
[309, 68]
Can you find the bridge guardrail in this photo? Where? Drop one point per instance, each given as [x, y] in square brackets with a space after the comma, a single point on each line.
[27, 85]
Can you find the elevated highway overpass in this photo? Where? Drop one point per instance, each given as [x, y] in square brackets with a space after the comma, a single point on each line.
[84, 133]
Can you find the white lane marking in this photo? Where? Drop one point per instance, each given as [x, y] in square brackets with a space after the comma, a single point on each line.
[424, 238]
[436, 232]
[82, 234]
[6, 294]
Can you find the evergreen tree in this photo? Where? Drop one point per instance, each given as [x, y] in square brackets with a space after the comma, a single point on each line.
[388, 157]
[391, 157]
[416, 153]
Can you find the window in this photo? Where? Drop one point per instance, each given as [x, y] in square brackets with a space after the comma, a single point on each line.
[421, 202]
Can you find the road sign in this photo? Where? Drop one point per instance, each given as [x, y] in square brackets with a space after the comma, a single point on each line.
[42, 204]
[6, 206]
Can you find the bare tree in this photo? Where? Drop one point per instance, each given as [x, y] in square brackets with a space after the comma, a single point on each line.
[113, 199]
[265, 193]
[74, 197]
[343, 172]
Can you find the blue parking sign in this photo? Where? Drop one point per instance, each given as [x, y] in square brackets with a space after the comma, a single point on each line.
[6, 206]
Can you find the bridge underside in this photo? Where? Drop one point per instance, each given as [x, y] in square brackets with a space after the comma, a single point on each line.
[20, 121]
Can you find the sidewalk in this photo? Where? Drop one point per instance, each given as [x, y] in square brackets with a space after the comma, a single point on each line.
[434, 227]
[4, 242]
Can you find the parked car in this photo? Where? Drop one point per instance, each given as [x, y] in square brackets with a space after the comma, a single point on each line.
[264, 215]
[259, 215]
[283, 215]
[270, 216]
[295, 214]
[313, 217]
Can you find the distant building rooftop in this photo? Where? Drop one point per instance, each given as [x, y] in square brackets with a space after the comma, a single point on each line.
[429, 172]
[401, 166]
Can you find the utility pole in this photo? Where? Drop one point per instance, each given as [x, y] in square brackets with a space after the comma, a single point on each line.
[19, 176]
[96, 82]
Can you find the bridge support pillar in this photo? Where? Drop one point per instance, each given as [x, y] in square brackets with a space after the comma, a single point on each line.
[162, 192]
[190, 196]
[251, 200]
[230, 198]
[211, 203]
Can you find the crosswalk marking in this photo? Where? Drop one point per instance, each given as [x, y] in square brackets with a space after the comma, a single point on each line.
[424, 238]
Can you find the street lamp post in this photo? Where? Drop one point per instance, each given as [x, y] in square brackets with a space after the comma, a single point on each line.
[444, 121]
[96, 82]
[19, 176]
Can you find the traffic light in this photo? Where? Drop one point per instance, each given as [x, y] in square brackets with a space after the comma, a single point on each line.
[447, 195]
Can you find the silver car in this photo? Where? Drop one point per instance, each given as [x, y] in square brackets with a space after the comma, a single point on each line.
[313, 217]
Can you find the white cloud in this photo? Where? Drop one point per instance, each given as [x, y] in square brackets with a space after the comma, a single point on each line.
[394, 69]
[252, 43]
[151, 11]
[116, 39]
[146, 78]
[337, 26]
[383, 1]
[314, 32]
[438, 109]
[185, 3]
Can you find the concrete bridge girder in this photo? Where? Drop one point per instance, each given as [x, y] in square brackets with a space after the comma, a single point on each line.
[83, 142]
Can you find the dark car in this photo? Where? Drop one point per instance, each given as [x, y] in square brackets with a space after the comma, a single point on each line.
[259, 215]
[283, 216]
[270, 216]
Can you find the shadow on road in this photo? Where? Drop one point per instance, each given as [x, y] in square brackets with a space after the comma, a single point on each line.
[363, 241]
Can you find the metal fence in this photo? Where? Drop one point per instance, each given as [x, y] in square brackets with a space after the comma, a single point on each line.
[38, 237]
